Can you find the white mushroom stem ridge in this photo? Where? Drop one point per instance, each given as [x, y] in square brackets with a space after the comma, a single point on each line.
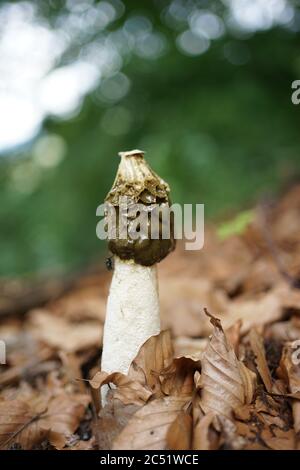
[132, 314]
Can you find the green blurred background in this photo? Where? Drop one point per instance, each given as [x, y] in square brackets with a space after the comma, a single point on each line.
[204, 87]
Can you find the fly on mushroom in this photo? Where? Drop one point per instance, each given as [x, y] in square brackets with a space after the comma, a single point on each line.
[109, 263]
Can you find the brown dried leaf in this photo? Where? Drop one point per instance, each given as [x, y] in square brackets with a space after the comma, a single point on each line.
[179, 435]
[267, 308]
[277, 439]
[28, 422]
[127, 391]
[178, 378]
[148, 427]
[19, 424]
[225, 381]
[233, 334]
[63, 335]
[63, 416]
[257, 346]
[154, 356]
[204, 435]
[189, 347]
[111, 420]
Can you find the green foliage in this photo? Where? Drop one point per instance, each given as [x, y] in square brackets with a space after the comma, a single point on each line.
[221, 134]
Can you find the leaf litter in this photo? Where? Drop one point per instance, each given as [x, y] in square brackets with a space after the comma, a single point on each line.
[224, 373]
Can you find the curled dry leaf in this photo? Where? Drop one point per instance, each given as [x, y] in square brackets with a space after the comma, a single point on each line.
[233, 334]
[148, 427]
[225, 381]
[127, 391]
[143, 379]
[205, 436]
[155, 355]
[178, 378]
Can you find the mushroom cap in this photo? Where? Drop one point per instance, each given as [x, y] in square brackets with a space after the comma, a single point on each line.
[137, 182]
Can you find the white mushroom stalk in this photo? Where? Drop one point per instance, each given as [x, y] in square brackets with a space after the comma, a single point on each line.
[132, 313]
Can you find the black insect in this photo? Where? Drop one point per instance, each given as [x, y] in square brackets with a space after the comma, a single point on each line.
[109, 263]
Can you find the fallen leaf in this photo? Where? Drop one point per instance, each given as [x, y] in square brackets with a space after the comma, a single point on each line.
[266, 308]
[233, 334]
[226, 383]
[204, 435]
[28, 422]
[63, 415]
[63, 335]
[178, 378]
[148, 427]
[19, 424]
[257, 346]
[279, 439]
[179, 435]
[154, 356]
[111, 420]
[189, 347]
[128, 391]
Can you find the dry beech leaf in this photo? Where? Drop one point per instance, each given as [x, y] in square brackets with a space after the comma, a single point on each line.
[111, 420]
[29, 422]
[290, 372]
[63, 335]
[63, 415]
[225, 381]
[233, 334]
[148, 427]
[266, 421]
[143, 379]
[267, 308]
[257, 346]
[19, 424]
[189, 347]
[154, 356]
[178, 378]
[179, 435]
[127, 391]
[277, 439]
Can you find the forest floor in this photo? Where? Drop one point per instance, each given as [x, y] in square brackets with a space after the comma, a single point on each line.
[223, 374]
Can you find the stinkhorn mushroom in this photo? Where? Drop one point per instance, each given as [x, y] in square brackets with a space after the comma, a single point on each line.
[132, 313]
